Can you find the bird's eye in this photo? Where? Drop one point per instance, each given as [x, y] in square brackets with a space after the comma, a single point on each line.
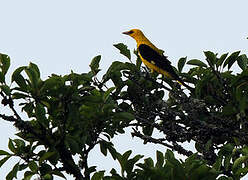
[130, 32]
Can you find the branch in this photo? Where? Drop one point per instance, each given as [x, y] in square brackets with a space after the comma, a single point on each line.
[217, 74]
[68, 162]
[175, 146]
[65, 155]
[8, 118]
[157, 126]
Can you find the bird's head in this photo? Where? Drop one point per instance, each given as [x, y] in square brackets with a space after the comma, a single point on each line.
[134, 33]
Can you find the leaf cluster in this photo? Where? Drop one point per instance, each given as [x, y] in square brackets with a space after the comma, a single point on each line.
[165, 167]
[67, 116]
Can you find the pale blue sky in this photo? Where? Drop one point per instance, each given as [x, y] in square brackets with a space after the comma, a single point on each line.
[60, 36]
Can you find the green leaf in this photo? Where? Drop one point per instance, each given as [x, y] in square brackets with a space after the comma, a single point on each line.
[58, 173]
[48, 177]
[2, 152]
[127, 154]
[242, 61]
[242, 172]
[28, 108]
[229, 109]
[147, 130]
[33, 77]
[131, 162]
[5, 89]
[231, 59]
[90, 170]
[114, 71]
[169, 155]
[51, 84]
[121, 161]
[181, 63]
[138, 60]
[33, 166]
[94, 65]
[225, 178]
[238, 163]
[128, 164]
[208, 145]
[227, 161]
[46, 156]
[107, 93]
[191, 163]
[113, 152]
[124, 116]
[35, 68]
[23, 166]
[221, 59]
[149, 162]
[40, 114]
[11, 146]
[17, 72]
[28, 175]
[226, 149]
[17, 95]
[2, 77]
[73, 144]
[18, 78]
[19, 143]
[4, 63]
[211, 57]
[198, 147]
[45, 168]
[245, 150]
[171, 158]
[93, 99]
[98, 175]
[103, 148]
[160, 159]
[218, 163]
[196, 62]
[2, 161]
[12, 174]
[123, 50]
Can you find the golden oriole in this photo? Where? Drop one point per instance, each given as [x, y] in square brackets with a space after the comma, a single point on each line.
[153, 57]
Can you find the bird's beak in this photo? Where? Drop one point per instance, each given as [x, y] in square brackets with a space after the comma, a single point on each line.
[126, 32]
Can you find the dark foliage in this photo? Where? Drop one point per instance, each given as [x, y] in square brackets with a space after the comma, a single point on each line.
[69, 115]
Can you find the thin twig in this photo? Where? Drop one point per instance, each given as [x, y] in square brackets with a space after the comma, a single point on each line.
[175, 146]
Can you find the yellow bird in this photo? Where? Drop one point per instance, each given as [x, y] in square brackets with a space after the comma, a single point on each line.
[153, 57]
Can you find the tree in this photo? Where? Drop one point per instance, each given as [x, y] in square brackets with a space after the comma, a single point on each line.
[64, 116]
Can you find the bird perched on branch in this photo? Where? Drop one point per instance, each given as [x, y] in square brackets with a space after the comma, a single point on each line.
[153, 57]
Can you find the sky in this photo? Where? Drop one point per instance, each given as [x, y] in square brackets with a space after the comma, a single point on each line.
[60, 36]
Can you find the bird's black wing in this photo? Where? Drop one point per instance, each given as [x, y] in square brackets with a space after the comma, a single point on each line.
[155, 58]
